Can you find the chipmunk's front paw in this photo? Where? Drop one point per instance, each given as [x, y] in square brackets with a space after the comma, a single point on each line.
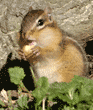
[21, 54]
[31, 50]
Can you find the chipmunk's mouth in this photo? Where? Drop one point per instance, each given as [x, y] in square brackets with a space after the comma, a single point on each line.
[34, 43]
[34, 48]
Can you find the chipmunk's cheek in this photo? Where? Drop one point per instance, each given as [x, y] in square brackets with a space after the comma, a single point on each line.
[43, 42]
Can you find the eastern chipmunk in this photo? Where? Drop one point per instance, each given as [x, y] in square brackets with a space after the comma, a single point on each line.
[50, 53]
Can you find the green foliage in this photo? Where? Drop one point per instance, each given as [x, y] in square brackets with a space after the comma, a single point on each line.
[1, 109]
[77, 95]
[22, 102]
[41, 90]
[16, 74]
[16, 109]
[1, 103]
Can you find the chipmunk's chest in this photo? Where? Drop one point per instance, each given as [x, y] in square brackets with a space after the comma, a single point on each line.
[48, 70]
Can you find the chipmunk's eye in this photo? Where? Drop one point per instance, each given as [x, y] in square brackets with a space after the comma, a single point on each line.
[40, 22]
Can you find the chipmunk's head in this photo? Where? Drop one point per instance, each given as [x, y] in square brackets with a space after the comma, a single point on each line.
[36, 20]
[39, 26]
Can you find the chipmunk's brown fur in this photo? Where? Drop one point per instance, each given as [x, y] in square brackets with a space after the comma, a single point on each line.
[48, 50]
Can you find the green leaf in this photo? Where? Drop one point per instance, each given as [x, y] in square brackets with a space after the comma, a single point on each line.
[82, 106]
[1, 109]
[16, 74]
[16, 109]
[2, 103]
[91, 107]
[42, 88]
[43, 82]
[68, 108]
[22, 102]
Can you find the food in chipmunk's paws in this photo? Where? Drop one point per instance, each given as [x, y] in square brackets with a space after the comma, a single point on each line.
[30, 49]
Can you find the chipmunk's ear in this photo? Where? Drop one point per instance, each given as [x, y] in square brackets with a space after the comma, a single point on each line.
[30, 9]
[48, 11]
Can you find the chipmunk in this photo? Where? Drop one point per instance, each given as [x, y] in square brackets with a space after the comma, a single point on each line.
[50, 53]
